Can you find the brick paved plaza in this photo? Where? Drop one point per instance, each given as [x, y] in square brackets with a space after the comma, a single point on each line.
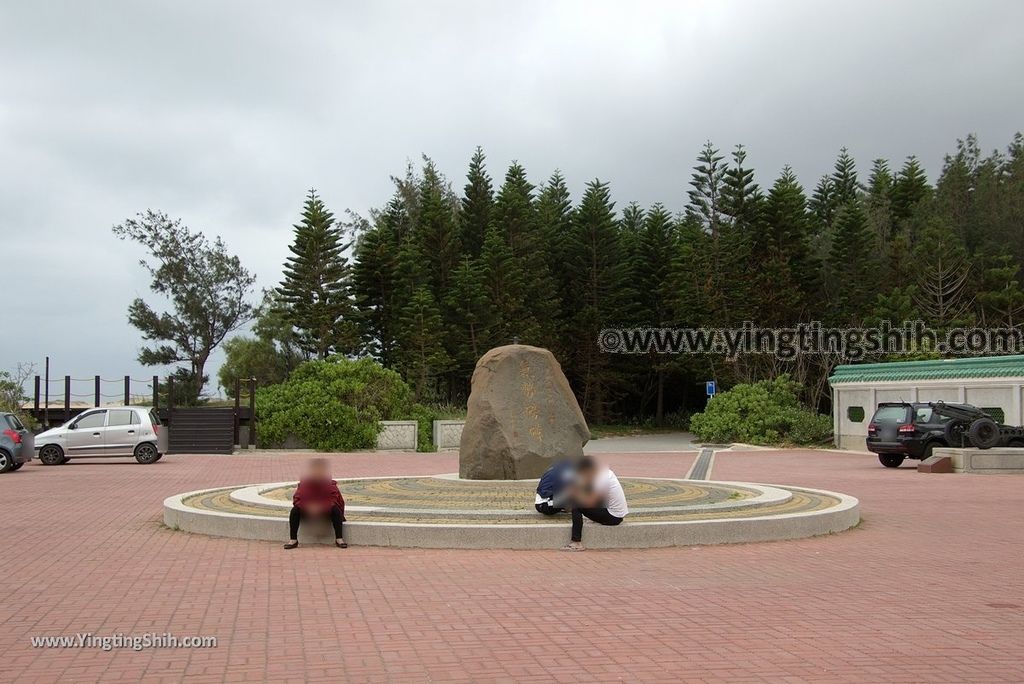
[929, 588]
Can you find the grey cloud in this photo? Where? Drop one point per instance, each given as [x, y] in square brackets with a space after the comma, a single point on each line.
[224, 113]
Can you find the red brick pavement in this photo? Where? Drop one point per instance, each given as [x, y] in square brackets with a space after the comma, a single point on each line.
[929, 588]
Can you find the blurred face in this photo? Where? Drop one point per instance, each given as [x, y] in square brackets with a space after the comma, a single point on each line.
[586, 474]
[318, 470]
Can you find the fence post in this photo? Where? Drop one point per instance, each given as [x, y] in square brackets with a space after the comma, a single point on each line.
[36, 404]
[67, 398]
[170, 397]
[96, 383]
[238, 404]
[170, 409]
[127, 390]
[46, 389]
[156, 393]
[252, 412]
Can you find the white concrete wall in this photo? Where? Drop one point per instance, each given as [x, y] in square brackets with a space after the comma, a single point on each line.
[397, 435]
[951, 394]
[1003, 393]
[848, 432]
[448, 433]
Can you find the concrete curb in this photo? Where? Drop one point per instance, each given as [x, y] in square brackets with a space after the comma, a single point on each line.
[842, 516]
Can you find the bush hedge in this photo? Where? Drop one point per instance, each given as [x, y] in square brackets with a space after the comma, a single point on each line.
[766, 412]
[333, 405]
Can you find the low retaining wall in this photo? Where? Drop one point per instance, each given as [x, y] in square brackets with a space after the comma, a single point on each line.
[448, 434]
[398, 435]
[1004, 460]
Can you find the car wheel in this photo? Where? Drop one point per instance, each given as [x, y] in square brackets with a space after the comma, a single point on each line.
[51, 454]
[6, 462]
[890, 460]
[17, 466]
[928, 449]
[146, 453]
[984, 433]
[159, 456]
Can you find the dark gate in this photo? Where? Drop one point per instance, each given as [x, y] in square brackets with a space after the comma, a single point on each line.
[206, 430]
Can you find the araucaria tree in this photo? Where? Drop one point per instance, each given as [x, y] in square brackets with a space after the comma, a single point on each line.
[315, 293]
[440, 278]
[207, 288]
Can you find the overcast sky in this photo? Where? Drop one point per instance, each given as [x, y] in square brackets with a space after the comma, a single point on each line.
[225, 113]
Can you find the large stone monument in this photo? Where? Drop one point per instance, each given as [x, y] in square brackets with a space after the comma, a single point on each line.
[522, 415]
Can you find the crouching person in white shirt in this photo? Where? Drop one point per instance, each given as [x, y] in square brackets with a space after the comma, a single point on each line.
[597, 495]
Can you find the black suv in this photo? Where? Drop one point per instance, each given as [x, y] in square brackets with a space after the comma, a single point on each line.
[902, 430]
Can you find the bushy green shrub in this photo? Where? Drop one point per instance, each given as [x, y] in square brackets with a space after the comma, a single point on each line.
[332, 405]
[766, 412]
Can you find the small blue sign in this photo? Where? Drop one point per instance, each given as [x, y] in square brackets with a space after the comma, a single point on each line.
[711, 387]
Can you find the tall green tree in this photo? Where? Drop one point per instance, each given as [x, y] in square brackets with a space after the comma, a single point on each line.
[555, 221]
[1000, 297]
[788, 275]
[845, 184]
[504, 287]
[823, 205]
[706, 187]
[909, 188]
[421, 351]
[944, 293]
[269, 355]
[743, 204]
[852, 264]
[477, 205]
[533, 309]
[473, 316]
[375, 280]
[207, 288]
[705, 211]
[315, 290]
[600, 268]
[437, 230]
[656, 248]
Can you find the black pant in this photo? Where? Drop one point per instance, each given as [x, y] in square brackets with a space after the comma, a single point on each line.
[298, 514]
[598, 515]
[547, 509]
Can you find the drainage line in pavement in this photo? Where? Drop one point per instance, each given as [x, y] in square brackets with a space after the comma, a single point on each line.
[701, 469]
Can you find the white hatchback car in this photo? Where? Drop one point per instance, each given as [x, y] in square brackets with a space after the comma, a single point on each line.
[104, 432]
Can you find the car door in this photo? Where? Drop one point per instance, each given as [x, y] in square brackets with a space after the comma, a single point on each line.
[85, 435]
[122, 432]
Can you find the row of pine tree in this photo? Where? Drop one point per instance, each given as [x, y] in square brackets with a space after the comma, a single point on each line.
[441, 274]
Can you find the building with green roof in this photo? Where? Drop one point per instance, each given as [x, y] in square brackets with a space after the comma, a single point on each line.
[993, 383]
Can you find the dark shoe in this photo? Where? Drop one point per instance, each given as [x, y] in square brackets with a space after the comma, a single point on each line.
[291, 545]
[340, 545]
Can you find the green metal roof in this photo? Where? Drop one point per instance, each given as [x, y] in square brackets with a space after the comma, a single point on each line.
[942, 369]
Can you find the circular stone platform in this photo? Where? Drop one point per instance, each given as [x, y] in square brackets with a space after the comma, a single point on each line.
[446, 512]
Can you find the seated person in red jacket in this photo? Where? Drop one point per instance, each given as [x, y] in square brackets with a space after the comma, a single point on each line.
[317, 496]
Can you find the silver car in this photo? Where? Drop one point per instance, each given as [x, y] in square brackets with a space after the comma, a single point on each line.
[102, 433]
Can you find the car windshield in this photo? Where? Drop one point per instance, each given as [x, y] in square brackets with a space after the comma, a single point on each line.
[891, 414]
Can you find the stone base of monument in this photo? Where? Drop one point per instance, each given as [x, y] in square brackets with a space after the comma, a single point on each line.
[1003, 460]
[935, 464]
[446, 512]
